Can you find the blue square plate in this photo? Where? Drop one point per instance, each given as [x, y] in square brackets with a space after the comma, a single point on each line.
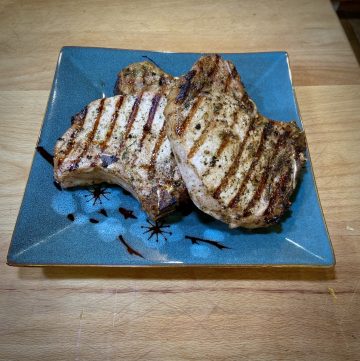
[106, 226]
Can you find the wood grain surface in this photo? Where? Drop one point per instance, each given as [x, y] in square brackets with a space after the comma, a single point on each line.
[184, 313]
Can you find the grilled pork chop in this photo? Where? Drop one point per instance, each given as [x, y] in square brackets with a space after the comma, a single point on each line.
[122, 140]
[238, 166]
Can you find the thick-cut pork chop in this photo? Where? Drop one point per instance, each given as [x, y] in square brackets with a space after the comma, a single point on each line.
[122, 140]
[238, 166]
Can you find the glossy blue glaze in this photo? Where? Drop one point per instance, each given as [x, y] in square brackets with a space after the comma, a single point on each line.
[105, 226]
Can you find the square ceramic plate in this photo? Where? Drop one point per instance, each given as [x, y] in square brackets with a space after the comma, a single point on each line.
[106, 226]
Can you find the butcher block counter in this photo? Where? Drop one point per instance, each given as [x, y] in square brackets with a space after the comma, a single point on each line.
[187, 313]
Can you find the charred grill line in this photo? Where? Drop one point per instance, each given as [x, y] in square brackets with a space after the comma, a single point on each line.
[201, 140]
[184, 88]
[235, 164]
[112, 122]
[147, 127]
[280, 186]
[223, 145]
[91, 135]
[78, 121]
[277, 194]
[226, 137]
[180, 128]
[131, 119]
[225, 141]
[159, 142]
[265, 177]
[260, 149]
[227, 82]
[214, 69]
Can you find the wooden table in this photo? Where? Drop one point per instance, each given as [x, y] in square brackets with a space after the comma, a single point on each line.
[188, 313]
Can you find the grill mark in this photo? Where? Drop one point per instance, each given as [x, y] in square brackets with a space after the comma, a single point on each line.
[260, 149]
[265, 176]
[114, 117]
[227, 136]
[147, 127]
[227, 82]
[200, 67]
[180, 128]
[155, 152]
[214, 69]
[225, 141]
[201, 140]
[276, 196]
[91, 135]
[234, 165]
[78, 125]
[274, 200]
[184, 88]
[131, 119]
